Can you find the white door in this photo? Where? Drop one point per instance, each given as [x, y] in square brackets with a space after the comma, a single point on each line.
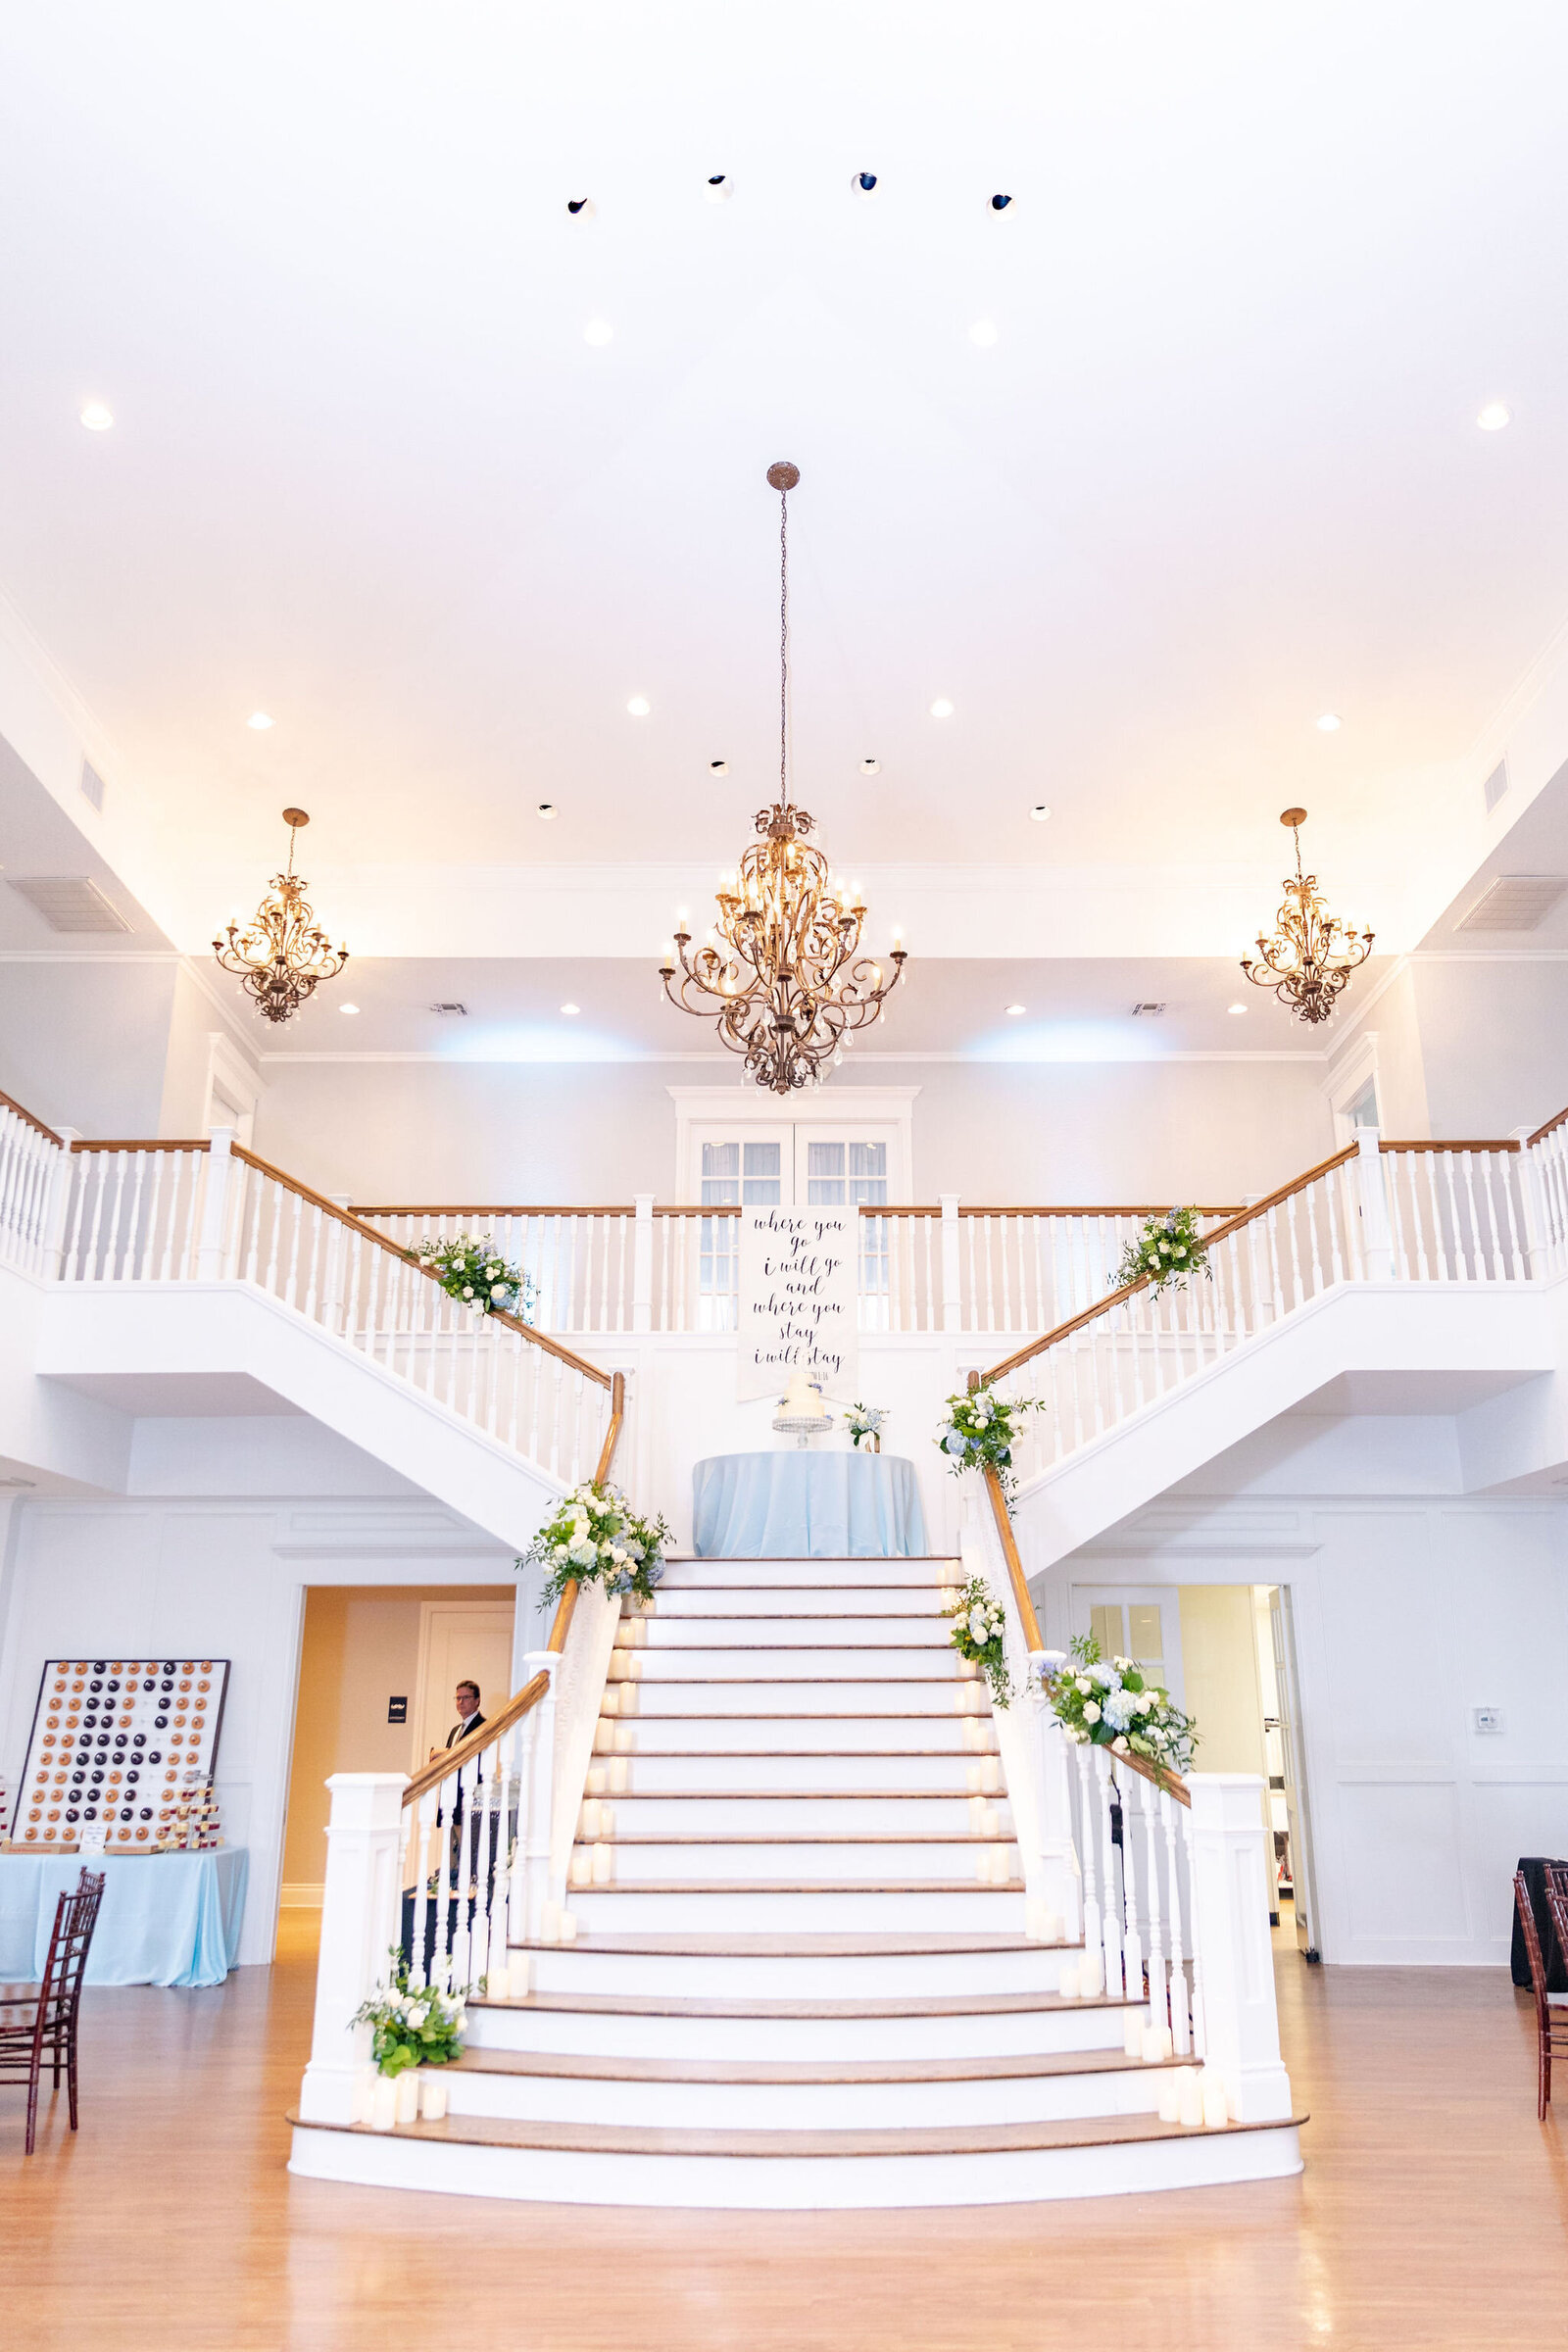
[1297, 1820]
[835, 1168]
[750, 1171]
[1139, 1622]
[459, 1641]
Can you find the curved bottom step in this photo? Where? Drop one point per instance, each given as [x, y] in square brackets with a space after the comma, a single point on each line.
[998, 2164]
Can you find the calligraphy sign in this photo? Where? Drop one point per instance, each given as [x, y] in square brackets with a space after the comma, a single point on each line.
[798, 1299]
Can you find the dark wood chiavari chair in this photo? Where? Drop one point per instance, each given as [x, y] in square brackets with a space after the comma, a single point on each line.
[1551, 2023]
[47, 2032]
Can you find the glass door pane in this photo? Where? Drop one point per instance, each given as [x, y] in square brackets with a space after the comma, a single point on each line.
[741, 1172]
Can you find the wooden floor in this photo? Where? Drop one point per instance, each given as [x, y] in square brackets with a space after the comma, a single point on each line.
[1434, 2211]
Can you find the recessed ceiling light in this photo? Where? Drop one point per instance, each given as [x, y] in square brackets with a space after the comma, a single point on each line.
[547, 809]
[1491, 419]
[1040, 813]
[1235, 1008]
[866, 184]
[1329, 723]
[95, 417]
[580, 208]
[983, 332]
[1013, 1010]
[999, 202]
[639, 706]
[719, 768]
[720, 187]
[599, 332]
[348, 1009]
[569, 1008]
[941, 708]
[260, 720]
[870, 768]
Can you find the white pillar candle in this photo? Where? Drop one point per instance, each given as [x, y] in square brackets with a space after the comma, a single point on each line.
[628, 1699]
[519, 1976]
[1091, 1976]
[1055, 1927]
[636, 1667]
[625, 1635]
[1190, 2098]
[625, 1741]
[977, 1814]
[1171, 2096]
[1216, 2108]
[408, 2087]
[601, 1866]
[596, 1780]
[1158, 2044]
[982, 1865]
[606, 1821]
[973, 1738]
[568, 1926]
[1035, 1916]
[991, 1775]
[580, 1869]
[973, 1776]
[620, 1775]
[1068, 1981]
[989, 1822]
[548, 1921]
[641, 1623]
[610, 1704]
[433, 2099]
[384, 2104]
[618, 1665]
[1133, 2033]
[590, 1817]
[365, 2094]
[603, 1737]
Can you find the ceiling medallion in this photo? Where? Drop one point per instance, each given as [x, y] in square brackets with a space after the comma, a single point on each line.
[281, 955]
[782, 974]
[1313, 954]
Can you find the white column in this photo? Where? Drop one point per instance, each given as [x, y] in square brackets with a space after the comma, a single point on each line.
[1377, 1240]
[1535, 1225]
[1230, 1918]
[360, 1921]
[951, 1278]
[642, 1263]
[1060, 1880]
[58, 1210]
[215, 1207]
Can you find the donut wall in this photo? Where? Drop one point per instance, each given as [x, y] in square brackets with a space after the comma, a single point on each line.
[116, 1741]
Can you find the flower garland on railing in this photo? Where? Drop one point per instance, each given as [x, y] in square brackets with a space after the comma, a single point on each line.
[1168, 1251]
[595, 1538]
[978, 1634]
[979, 1432]
[1102, 1702]
[865, 1421]
[411, 2028]
[473, 1271]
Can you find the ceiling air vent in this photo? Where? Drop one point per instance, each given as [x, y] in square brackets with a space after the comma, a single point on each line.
[453, 1006]
[92, 786]
[1515, 903]
[70, 903]
[1155, 1009]
[1496, 785]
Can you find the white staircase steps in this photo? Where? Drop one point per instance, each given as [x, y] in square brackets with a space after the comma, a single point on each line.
[800, 1975]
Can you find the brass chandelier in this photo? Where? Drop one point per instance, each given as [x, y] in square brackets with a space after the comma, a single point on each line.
[782, 974]
[281, 956]
[1313, 954]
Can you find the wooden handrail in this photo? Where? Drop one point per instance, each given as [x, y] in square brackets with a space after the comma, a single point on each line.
[1113, 1299]
[440, 1767]
[1161, 1774]
[162, 1142]
[1490, 1142]
[1550, 1128]
[27, 1119]
[733, 1208]
[1010, 1553]
[330, 1208]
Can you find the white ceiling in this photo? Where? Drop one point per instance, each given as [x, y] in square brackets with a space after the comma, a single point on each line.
[1218, 473]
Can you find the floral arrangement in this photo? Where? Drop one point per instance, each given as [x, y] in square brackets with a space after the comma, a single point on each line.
[423, 2027]
[1102, 1702]
[473, 1272]
[979, 1432]
[978, 1633]
[865, 1421]
[1168, 1252]
[596, 1537]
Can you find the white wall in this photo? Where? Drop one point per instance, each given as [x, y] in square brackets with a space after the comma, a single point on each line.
[84, 1042]
[1493, 1040]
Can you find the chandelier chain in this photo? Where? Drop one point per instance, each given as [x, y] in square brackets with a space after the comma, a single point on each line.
[783, 648]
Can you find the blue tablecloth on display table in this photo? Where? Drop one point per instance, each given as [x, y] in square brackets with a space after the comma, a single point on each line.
[165, 1919]
[796, 1505]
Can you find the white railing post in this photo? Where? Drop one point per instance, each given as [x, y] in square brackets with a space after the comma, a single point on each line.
[360, 1923]
[58, 1210]
[215, 1205]
[951, 1276]
[1531, 1207]
[536, 1804]
[1377, 1239]
[1231, 1932]
[642, 1264]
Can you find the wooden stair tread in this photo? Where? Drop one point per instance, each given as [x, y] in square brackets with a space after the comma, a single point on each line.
[793, 1796]
[739, 1755]
[975, 2140]
[799, 1837]
[802, 1944]
[567, 2067]
[766, 2011]
[802, 1886]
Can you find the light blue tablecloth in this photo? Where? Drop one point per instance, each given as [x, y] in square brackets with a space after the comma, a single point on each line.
[795, 1505]
[165, 1919]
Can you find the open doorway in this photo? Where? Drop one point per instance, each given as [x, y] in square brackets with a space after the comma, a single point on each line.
[377, 1668]
[1226, 1654]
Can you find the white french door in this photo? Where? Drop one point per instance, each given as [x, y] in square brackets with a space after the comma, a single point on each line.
[824, 1163]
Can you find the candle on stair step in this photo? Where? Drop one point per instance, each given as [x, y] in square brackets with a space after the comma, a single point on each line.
[973, 1776]
[409, 2096]
[610, 1704]
[596, 1780]
[606, 1821]
[1216, 2107]
[977, 1815]
[1133, 2033]
[568, 1926]
[1067, 1979]
[519, 1977]
[617, 1666]
[1171, 2096]
[603, 1737]
[625, 1634]
[548, 1921]
[589, 1823]
[1091, 1976]
[625, 1741]
[385, 2103]
[1190, 2098]
[620, 1775]
[601, 1865]
[1035, 1918]
[991, 1824]
[580, 1871]
[991, 1775]
[628, 1699]
[1157, 2045]
[433, 2099]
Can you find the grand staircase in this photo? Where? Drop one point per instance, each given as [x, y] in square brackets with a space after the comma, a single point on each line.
[801, 1974]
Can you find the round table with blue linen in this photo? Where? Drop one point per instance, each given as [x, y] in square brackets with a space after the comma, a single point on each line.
[796, 1505]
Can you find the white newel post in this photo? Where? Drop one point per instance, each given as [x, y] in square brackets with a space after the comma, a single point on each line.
[1538, 1260]
[642, 1263]
[59, 1211]
[1230, 1914]
[215, 1205]
[360, 1919]
[1377, 1239]
[531, 1886]
[951, 1276]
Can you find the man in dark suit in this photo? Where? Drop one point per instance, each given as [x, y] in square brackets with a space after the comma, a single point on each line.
[469, 1718]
